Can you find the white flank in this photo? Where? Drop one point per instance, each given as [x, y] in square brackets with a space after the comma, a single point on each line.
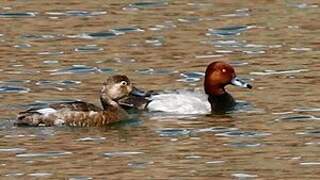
[46, 111]
[181, 102]
[59, 122]
[93, 113]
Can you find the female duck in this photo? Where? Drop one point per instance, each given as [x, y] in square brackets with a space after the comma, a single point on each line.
[80, 113]
[217, 99]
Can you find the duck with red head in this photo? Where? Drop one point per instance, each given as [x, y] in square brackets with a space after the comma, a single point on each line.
[218, 75]
[215, 100]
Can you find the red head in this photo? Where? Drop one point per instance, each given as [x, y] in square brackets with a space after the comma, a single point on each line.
[218, 75]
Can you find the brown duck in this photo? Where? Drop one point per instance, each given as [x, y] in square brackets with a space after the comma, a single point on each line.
[83, 114]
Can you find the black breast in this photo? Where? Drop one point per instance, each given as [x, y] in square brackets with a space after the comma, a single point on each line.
[221, 103]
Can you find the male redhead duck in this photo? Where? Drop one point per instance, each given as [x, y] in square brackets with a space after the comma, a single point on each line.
[215, 100]
[83, 114]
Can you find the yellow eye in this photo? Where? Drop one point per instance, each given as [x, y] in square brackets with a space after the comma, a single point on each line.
[224, 70]
[124, 83]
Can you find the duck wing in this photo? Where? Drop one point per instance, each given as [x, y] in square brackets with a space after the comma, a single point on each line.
[137, 100]
[134, 103]
[46, 116]
[76, 106]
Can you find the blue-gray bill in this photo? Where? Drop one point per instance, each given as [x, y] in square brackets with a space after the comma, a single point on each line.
[241, 83]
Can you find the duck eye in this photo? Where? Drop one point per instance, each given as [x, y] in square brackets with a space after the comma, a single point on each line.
[124, 83]
[224, 70]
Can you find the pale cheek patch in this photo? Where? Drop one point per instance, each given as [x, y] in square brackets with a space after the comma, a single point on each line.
[114, 91]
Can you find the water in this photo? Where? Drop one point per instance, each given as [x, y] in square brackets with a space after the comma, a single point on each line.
[61, 51]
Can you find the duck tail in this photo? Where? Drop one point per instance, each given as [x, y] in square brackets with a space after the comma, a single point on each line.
[28, 119]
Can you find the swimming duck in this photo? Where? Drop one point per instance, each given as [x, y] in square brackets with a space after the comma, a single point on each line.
[83, 114]
[215, 100]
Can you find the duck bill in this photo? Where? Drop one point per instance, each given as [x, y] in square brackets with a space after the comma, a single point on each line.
[240, 83]
[138, 92]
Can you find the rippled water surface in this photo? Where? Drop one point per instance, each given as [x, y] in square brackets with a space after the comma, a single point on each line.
[62, 50]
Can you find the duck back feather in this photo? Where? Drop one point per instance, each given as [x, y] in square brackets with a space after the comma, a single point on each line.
[80, 114]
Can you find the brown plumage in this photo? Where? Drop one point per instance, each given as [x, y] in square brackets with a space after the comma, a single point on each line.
[83, 114]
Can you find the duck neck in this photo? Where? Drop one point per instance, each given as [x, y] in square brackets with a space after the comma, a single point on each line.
[221, 102]
[107, 102]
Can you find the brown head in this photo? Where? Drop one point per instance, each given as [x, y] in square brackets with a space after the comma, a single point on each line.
[115, 88]
[218, 75]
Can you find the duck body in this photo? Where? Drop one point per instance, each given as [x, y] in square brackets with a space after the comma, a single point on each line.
[76, 114]
[214, 99]
[82, 114]
[180, 102]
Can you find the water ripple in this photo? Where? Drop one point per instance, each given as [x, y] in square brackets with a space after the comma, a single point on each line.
[80, 178]
[45, 154]
[97, 35]
[303, 5]
[228, 30]
[192, 157]
[230, 45]
[144, 5]
[155, 41]
[77, 13]
[276, 72]
[140, 164]
[62, 82]
[191, 76]
[14, 174]
[301, 49]
[18, 14]
[307, 109]
[41, 174]
[309, 163]
[215, 162]
[50, 61]
[13, 89]
[216, 129]
[121, 153]
[54, 53]
[239, 133]
[40, 36]
[244, 175]
[151, 71]
[89, 139]
[189, 19]
[310, 133]
[59, 85]
[75, 69]
[165, 26]
[244, 12]
[12, 150]
[243, 144]
[127, 29]
[173, 132]
[208, 56]
[297, 118]
[88, 49]
[22, 46]
[15, 81]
